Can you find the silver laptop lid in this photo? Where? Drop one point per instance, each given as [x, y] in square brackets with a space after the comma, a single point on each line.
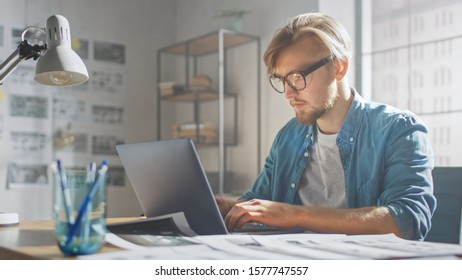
[168, 177]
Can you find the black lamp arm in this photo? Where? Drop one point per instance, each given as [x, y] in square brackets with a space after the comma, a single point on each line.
[27, 51]
[24, 51]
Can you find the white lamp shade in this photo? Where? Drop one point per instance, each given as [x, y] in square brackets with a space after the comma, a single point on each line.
[60, 65]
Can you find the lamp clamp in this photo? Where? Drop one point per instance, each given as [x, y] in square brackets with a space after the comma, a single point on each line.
[27, 51]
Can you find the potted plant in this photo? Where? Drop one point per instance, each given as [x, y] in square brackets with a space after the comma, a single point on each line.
[234, 18]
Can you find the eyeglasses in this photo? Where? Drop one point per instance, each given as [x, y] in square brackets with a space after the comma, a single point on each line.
[297, 80]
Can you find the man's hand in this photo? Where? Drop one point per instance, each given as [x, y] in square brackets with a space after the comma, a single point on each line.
[225, 205]
[266, 212]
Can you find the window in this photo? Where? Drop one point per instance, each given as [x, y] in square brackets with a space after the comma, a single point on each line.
[415, 56]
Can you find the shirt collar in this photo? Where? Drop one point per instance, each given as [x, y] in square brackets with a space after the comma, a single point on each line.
[353, 119]
[350, 125]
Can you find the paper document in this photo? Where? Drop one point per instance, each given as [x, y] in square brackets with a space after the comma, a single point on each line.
[271, 247]
[168, 225]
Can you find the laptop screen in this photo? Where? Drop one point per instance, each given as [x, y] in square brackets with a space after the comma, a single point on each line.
[168, 177]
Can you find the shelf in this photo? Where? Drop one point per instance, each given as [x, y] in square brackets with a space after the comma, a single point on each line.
[201, 144]
[192, 53]
[193, 96]
[208, 43]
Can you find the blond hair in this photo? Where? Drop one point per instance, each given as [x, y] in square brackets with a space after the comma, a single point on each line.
[331, 32]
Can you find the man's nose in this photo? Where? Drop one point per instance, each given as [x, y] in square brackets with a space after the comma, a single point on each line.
[289, 92]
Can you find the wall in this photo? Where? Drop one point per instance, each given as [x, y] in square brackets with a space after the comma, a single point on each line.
[142, 26]
[344, 11]
[195, 18]
[145, 26]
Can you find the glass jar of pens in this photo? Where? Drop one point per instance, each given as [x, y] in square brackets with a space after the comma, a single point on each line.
[79, 208]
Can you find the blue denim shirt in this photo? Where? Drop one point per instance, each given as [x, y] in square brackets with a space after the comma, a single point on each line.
[387, 161]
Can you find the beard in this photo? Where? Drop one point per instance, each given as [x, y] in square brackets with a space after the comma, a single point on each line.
[309, 117]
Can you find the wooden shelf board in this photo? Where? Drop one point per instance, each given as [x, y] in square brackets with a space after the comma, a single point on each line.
[209, 43]
[192, 96]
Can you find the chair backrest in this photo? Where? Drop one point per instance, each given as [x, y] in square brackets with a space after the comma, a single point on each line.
[446, 221]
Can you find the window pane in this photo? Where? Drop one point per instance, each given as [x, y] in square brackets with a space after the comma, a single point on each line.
[416, 53]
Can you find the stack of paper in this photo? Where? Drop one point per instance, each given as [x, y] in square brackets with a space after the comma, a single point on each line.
[287, 246]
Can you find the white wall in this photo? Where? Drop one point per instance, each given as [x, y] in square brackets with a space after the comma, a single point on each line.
[195, 18]
[344, 11]
[145, 26]
[142, 26]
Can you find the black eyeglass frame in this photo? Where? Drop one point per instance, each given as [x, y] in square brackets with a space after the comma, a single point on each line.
[304, 73]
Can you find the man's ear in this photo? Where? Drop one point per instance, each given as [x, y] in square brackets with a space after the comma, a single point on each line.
[341, 68]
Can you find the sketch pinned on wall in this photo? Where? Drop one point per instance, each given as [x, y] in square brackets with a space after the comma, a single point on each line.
[107, 114]
[16, 37]
[28, 141]
[109, 52]
[116, 176]
[107, 82]
[54, 108]
[81, 87]
[69, 109]
[22, 76]
[28, 106]
[25, 142]
[105, 144]
[35, 36]
[22, 175]
[81, 47]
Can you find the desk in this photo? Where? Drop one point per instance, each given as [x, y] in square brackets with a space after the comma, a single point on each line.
[35, 240]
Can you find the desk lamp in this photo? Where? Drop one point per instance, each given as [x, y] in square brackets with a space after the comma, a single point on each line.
[59, 65]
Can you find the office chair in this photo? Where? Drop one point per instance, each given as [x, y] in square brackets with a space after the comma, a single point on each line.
[446, 221]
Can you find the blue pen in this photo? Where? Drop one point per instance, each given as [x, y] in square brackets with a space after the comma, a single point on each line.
[87, 200]
[91, 174]
[66, 194]
[91, 177]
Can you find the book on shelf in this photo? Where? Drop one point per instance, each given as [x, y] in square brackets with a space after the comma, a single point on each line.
[207, 131]
[200, 82]
[209, 125]
[171, 88]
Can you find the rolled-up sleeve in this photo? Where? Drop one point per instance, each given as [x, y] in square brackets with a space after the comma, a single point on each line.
[408, 184]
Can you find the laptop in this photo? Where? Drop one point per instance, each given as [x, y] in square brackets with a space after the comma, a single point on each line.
[167, 177]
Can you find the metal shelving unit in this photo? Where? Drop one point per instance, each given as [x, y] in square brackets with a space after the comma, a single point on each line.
[217, 42]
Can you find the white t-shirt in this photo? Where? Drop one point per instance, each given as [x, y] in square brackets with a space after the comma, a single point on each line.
[323, 183]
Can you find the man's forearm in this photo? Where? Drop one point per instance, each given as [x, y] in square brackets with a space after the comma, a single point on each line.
[368, 220]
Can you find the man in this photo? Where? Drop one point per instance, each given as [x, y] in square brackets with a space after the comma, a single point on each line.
[343, 165]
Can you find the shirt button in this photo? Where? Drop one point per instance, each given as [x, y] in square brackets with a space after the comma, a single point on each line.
[351, 139]
[292, 185]
[305, 154]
